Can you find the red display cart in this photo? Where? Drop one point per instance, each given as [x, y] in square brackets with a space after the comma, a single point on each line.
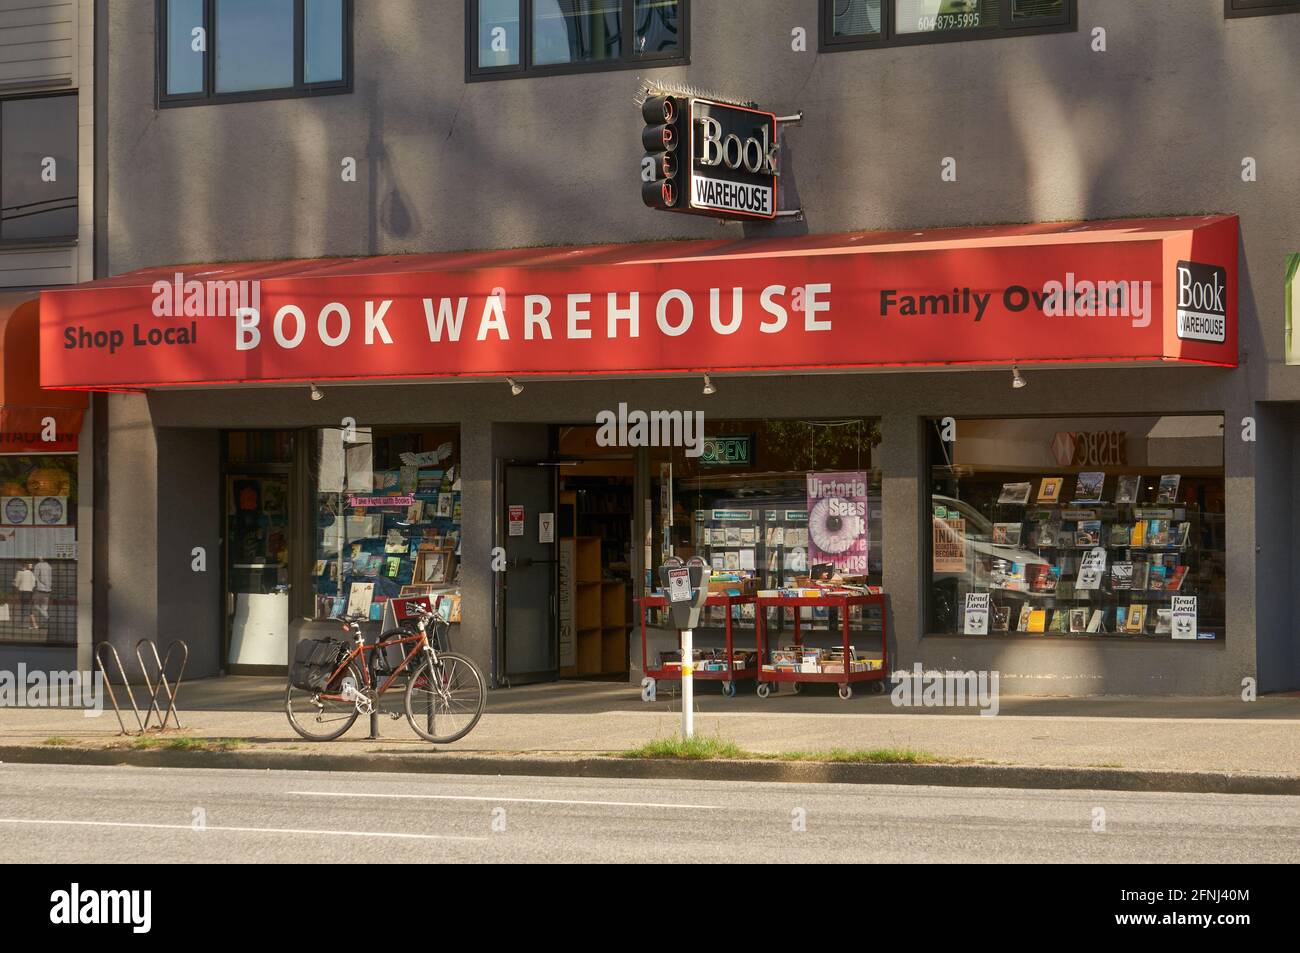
[727, 677]
[845, 679]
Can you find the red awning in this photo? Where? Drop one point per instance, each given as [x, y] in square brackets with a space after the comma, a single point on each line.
[1133, 291]
[32, 420]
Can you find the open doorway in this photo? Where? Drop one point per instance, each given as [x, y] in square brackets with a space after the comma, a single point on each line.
[595, 522]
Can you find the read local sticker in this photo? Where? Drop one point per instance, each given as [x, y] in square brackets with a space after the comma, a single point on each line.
[977, 613]
[1182, 618]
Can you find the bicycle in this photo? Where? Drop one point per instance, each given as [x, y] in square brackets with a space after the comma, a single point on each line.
[443, 690]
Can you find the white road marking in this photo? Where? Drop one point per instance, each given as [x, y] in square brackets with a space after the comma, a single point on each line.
[513, 800]
[239, 830]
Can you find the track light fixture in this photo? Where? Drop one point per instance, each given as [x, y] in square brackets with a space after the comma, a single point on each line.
[317, 393]
[1017, 379]
[515, 387]
[708, 386]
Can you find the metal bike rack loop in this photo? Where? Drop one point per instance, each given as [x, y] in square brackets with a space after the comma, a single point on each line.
[160, 686]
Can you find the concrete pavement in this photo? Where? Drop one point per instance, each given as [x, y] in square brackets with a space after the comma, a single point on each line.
[1228, 737]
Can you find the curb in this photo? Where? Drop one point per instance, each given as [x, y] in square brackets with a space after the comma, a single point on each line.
[443, 762]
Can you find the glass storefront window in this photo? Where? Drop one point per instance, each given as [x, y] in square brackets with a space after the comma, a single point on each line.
[771, 503]
[927, 16]
[388, 519]
[38, 548]
[1098, 527]
[744, 503]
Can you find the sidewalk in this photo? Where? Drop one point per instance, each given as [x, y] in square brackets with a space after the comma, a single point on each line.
[583, 719]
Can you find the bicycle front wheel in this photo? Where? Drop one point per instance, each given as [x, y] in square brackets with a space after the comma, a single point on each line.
[445, 698]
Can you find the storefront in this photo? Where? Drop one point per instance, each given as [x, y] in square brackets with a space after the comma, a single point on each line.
[350, 430]
[44, 596]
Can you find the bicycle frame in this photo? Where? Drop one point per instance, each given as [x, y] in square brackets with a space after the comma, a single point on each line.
[421, 639]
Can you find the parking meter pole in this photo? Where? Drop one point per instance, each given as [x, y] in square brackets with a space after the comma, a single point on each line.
[687, 587]
[688, 685]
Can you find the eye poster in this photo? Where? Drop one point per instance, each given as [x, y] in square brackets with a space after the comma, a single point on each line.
[837, 521]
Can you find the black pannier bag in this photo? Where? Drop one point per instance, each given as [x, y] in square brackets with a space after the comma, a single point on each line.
[313, 662]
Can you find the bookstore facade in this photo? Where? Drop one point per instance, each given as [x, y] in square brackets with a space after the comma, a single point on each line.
[1016, 433]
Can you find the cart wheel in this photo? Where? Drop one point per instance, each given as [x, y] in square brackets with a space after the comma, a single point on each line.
[846, 692]
[795, 687]
[764, 689]
[729, 689]
[878, 687]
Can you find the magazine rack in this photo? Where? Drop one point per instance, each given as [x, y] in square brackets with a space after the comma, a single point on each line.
[728, 676]
[846, 679]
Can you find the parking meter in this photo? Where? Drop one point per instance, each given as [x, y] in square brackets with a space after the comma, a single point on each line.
[687, 588]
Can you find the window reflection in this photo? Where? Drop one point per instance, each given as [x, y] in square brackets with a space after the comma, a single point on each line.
[657, 23]
[322, 46]
[576, 31]
[184, 63]
[34, 133]
[254, 45]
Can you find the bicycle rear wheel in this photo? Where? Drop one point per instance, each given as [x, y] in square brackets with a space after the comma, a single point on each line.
[322, 719]
[445, 698]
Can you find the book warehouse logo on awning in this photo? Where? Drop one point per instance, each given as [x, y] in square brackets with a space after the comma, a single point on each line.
[1202, 302]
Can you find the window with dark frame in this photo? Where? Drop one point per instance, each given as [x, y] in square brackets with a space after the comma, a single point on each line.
[866, 24]
[514, 38]
[1259, 8]
[38, 169]
[215, 51]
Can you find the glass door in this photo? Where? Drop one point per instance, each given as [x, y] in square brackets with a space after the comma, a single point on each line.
[527, 581]
[257, 568]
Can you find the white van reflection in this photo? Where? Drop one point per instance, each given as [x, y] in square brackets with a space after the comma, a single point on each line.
[976, 541]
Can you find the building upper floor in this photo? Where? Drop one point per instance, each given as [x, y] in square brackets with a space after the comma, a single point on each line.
[242, 130]
[46, 142]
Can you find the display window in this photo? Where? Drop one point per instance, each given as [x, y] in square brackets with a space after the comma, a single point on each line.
[1108, 527]
[387, 507]
[771, 506]
[38, 548]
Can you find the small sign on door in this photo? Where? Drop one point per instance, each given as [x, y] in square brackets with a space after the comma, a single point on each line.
[546, 528]
[516, 521]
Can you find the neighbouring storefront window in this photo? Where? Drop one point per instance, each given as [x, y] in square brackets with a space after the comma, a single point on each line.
[1069, 527]
[388, 518]
[38, 548]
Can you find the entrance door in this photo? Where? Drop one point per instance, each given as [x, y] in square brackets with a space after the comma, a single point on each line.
[527, 586]
[257, 569]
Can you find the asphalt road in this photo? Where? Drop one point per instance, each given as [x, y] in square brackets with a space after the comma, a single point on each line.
[73, 814]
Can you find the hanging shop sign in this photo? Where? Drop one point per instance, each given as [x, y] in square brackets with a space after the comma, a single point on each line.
[728, 451]
[709, 158]
[949, 298]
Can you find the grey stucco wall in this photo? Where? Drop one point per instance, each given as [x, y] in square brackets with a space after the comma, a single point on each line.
[1042, 128]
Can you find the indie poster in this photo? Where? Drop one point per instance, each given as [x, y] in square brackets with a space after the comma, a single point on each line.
[837, 521]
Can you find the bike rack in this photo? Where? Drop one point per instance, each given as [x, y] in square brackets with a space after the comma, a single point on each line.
[161, 685]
